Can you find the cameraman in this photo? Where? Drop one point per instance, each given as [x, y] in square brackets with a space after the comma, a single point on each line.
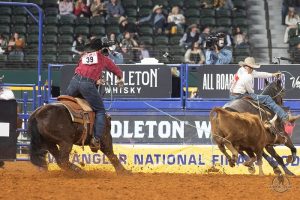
[87, 75]
[217, 53]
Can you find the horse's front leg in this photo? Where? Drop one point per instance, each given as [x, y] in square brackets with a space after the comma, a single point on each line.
[289, 144]
[64, 156]
[107, 149]
[273, 153]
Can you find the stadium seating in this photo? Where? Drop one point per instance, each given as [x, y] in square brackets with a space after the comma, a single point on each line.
[60, 32]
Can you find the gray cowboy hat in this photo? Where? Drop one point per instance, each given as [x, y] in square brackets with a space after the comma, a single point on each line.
[94, 45]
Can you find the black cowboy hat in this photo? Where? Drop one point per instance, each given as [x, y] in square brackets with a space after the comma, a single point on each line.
[94, 45]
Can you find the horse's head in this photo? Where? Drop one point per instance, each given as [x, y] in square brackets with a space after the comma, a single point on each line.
[274, 90]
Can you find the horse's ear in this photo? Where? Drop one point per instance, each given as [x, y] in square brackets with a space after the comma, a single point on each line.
[266, 82]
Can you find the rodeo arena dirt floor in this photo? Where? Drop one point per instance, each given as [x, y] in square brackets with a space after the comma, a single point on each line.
[21, 180]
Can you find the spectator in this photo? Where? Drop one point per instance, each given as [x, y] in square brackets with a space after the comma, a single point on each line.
[115, 9]
[156, 18]
[295, 54]
[126, 26]
[127, 55]
[285, 8]
[143, 52]
[66, 8]
[81, 9]
[112, 37]
[98, 8]
[16, 45]
[216, 52]
[175, 19]
[203, 36]
[3, 44]
[194, 55]
[115, 56]
[239, 38]
[78, 46]
[192, 35]
[128, 41]
[291, 21]
[227, 4]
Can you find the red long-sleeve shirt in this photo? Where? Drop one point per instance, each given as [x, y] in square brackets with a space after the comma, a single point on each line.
[92, 64]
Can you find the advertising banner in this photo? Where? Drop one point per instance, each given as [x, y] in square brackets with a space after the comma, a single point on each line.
[140, 81]
[169, 159]
[214, 80]
[153, 129]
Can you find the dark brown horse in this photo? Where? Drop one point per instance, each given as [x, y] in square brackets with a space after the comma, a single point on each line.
[51, 126]
[275, 91]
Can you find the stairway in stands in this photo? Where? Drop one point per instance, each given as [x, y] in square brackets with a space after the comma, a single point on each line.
[279, 48]
[257, 31]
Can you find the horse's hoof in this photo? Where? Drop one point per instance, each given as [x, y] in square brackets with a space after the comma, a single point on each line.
[277, 171]
[251, 170]
[124, 172]
[289, 159]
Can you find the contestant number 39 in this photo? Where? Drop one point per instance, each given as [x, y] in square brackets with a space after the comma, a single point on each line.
[90, 58]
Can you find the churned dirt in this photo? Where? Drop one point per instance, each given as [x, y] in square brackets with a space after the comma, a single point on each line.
[21, 180]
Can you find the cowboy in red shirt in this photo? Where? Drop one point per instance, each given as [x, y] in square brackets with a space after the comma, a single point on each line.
[87, 74]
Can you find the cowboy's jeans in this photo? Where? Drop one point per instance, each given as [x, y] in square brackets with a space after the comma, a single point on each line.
[267, 101]
[87, 89]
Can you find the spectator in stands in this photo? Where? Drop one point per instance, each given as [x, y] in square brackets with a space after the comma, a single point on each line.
[291, 21]
[66, 8]
[295, 54]
[192, 35]
[194, 55]
[3, 44]
[78, 46]
[216, 52]
[98, 8]
[143, 52]
[81, 9]
[239, 38]
[128, 41]
[204, 35]
[16, 45]
[126, 26]
[115, 56]
[127, 55]
[156, 18]
[130, 44]
[175, 20]
[227, 4]
[115, 9]
[285, 8]
[113, 37]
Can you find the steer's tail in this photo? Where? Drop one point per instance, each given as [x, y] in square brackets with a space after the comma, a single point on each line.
[37, 153]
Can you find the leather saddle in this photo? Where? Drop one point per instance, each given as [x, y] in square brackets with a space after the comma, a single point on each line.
[80, 112]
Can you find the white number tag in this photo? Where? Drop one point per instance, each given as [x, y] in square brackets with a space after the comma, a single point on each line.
[90, 58]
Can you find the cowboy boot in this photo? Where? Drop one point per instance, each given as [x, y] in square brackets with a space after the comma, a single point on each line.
[94, 145]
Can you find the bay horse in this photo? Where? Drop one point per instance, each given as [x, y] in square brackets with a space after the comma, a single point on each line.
[276, 92]
[51, 126]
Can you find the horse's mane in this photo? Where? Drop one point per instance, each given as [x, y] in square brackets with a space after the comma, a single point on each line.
[271, 89]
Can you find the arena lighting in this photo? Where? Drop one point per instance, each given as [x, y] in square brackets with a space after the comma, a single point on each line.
[40, 23]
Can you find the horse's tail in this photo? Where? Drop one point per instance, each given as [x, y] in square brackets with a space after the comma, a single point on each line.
[37, 153]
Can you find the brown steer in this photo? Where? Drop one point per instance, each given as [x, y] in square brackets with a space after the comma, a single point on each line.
[241, 132]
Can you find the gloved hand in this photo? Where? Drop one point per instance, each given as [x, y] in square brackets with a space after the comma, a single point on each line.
[120, 82]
